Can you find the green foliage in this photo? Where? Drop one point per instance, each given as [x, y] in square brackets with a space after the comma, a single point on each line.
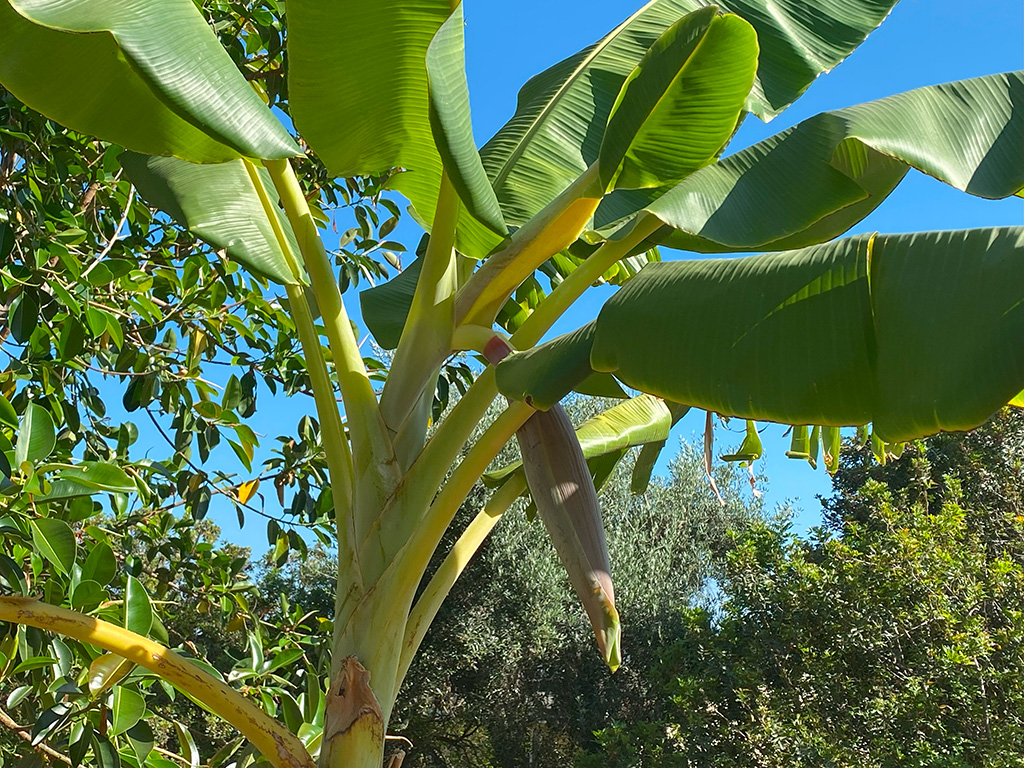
[681, 104]
[983, 467]
[106, 296]
[556, 131]
[95, 283]
[201, 197]
[210, 116]
[837, 167]
[451, 124]
[896, 640]
[103, 298]
[908, 333]
[147, 570]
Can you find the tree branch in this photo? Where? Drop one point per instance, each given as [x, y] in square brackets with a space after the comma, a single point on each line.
[277, 744]
[26, 734]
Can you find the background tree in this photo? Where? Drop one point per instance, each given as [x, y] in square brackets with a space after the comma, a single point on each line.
[893, 639]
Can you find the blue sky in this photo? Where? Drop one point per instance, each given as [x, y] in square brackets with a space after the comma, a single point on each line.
[922, 43]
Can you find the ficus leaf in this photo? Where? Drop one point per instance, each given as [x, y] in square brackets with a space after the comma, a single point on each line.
[8, 415]
[87, 596]
[138, 611]
[100, 565]
[107, 671]
[141, 737]
[247, 490]
[100, 476]
[55, 541]
[127, 709]
[36, 436]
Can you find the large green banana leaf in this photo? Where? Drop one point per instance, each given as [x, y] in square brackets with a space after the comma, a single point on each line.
[916, 333]
[680, 105]
[558, 125]
[149, 75]
[634, 422]
[219, 204]
[357, 82]
[452, 126]
[358, 92]
[385, 307]
[814, 181]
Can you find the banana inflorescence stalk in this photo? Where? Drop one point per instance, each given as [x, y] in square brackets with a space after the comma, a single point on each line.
[563, 490]
[566, 500]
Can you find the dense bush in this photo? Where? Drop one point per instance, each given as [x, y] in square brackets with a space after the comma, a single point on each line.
[893, 637]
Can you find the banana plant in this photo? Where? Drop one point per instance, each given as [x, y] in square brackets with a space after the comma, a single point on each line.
[610, 154]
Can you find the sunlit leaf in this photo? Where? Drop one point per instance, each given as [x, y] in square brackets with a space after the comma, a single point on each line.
[55, 541]
[127, 709]
[451, 124]
[36, 436]
[219, 204]
[930, 341]
[839, 166]
[100, 476]
[247, 490]
[561, 113]
[680, 105]
[138, 611]
[635, 422]
[750, 449]
[8, 415]
[364, 106]
[107, 671]
[87, 596]
[144, 87]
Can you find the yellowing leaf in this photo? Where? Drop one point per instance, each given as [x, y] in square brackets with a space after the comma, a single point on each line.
[107, 671]
[247, 490]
